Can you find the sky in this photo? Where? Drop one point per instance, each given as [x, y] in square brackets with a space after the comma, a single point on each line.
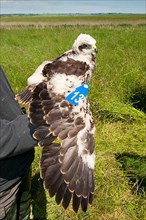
[70, 6]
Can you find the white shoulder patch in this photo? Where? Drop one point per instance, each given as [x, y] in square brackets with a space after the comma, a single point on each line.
[37, 76]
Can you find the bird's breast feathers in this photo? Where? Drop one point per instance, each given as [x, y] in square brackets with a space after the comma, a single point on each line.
[62, 84]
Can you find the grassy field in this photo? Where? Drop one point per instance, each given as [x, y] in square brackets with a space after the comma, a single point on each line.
[61, 18]
[118, 101]
[55, 20]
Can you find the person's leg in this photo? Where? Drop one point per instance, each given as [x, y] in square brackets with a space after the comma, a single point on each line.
[24, 198]
[8, 204]
[15, 202]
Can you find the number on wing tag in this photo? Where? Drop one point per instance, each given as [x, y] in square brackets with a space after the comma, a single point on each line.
[78, 94]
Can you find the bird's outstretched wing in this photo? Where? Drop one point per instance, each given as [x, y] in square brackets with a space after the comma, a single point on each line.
[67, 167]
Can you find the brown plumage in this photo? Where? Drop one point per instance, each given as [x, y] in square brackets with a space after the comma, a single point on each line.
[67, 167]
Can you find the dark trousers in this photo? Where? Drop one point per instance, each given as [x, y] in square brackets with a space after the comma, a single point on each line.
[15, 202]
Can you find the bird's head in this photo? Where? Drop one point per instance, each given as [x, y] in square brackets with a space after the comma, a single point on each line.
[85, 44]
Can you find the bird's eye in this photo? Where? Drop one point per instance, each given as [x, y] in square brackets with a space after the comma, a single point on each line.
[84, 46]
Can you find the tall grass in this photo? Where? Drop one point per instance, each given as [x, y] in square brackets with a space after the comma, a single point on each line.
[117, 96]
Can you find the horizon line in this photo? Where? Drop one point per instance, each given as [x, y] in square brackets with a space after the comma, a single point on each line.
[100, 13]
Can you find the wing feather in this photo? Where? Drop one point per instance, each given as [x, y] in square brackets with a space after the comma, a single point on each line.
[76, 202]
[66, 198]
[68, 159]
[46, 141]
[41, 133]
[64, 134]
[75, 181]
[60, 192]
[84, 204]
[68, 176]
[54, 187]
[26, 95]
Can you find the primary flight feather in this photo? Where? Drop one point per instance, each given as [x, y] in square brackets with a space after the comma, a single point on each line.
[67, 167]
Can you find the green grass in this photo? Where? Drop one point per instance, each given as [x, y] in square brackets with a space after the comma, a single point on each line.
[61, 18]
[117, 96]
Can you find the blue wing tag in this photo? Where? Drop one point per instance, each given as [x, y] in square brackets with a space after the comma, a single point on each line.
[78, 94]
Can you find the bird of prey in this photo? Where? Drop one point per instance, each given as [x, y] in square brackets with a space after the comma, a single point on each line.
[67, 165]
